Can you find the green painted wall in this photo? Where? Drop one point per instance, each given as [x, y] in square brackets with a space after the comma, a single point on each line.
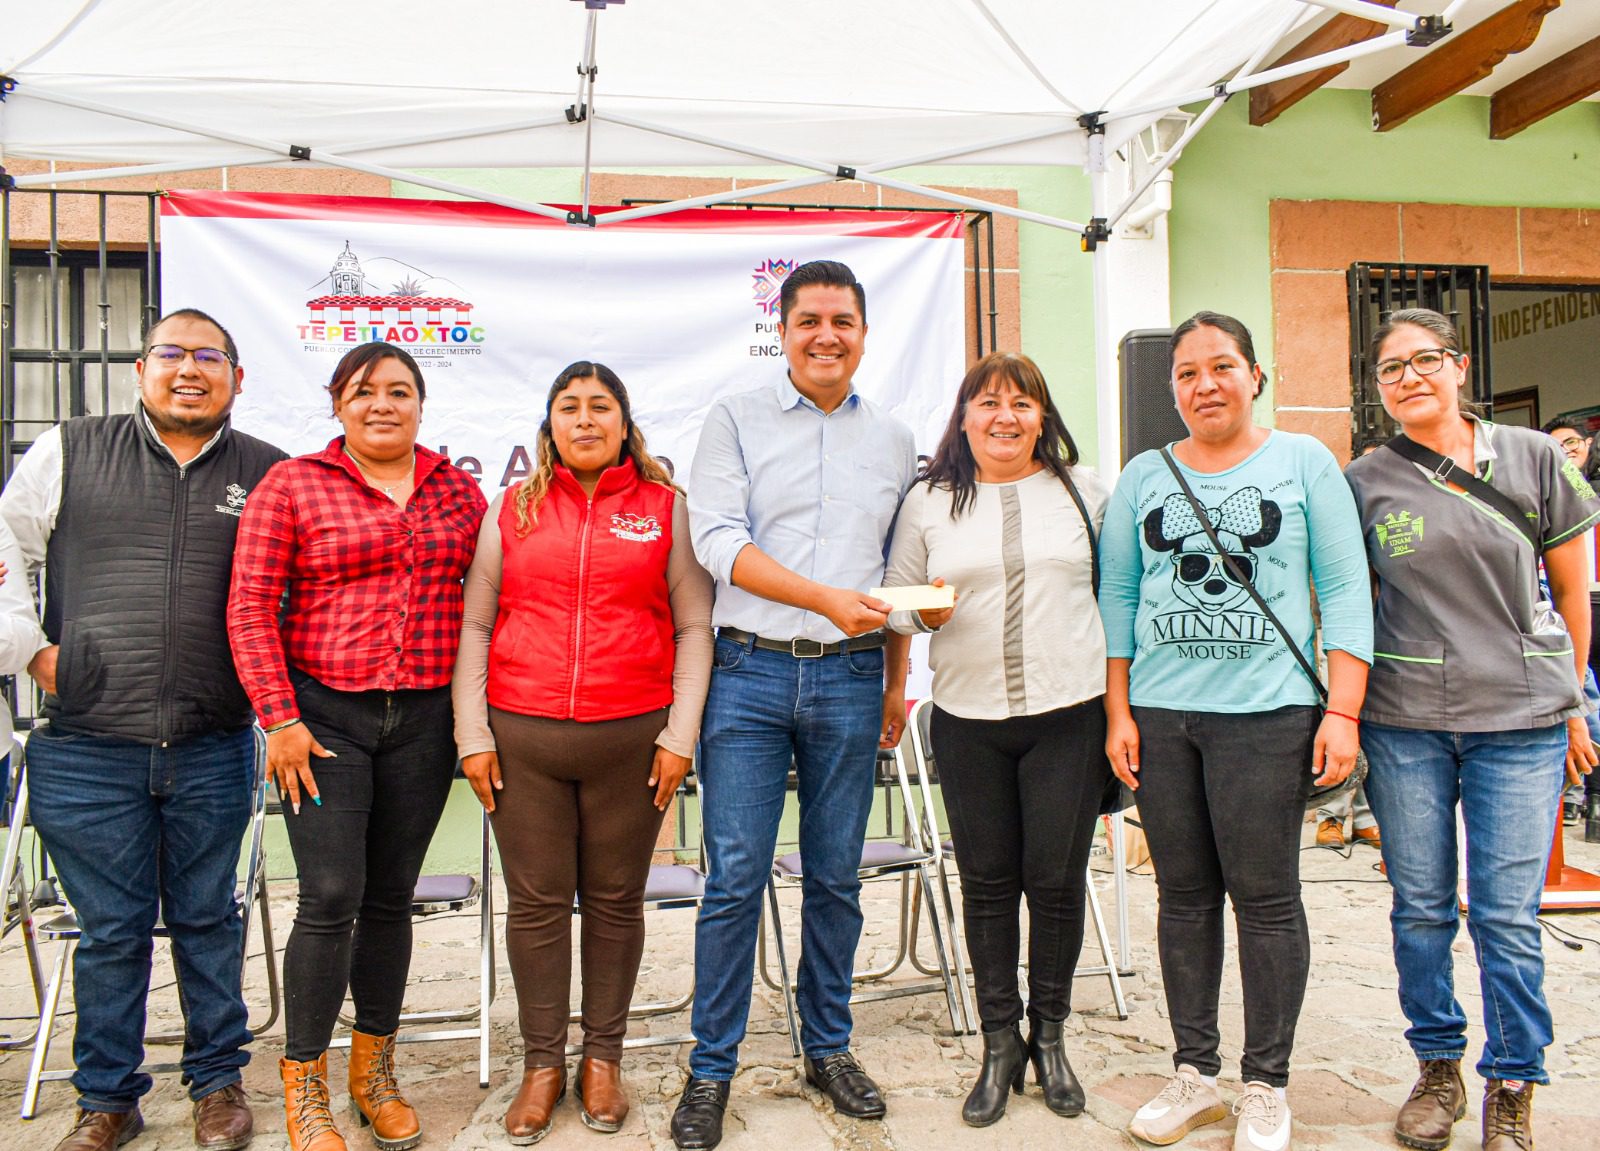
[1325, 149]
[1057, 286]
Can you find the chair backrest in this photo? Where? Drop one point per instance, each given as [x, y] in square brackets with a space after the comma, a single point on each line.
[913, 757]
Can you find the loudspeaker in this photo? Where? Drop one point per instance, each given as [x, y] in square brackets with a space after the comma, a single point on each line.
[1149, 419]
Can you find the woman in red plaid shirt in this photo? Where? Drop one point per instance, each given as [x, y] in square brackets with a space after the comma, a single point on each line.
[344, 617]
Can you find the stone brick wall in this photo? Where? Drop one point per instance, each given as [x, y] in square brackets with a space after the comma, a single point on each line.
[1315, 241]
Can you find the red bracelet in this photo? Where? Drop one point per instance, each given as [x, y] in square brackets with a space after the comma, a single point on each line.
[1342, 715]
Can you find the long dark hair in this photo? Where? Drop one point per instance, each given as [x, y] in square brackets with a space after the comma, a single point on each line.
[953, 467]
[530, 493]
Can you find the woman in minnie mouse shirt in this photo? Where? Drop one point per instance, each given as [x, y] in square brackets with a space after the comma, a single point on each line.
[1211, 718]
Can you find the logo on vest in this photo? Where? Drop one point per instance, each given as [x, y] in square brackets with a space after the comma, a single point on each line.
[639, 529]
[235, 504]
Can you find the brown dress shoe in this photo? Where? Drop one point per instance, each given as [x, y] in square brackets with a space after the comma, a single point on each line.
[375, 1094]
[533, 1111]
[1507, 1116]
[1330, 833]
[605, 1106]
[222, 1120]
[1437, 1101]
[102, 1130]
[308, 1120]
[1368, 835]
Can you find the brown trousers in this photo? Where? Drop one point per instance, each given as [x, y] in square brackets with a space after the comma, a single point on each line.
[575, 816]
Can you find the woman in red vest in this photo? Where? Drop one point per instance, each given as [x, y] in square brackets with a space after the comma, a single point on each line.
[585, 657]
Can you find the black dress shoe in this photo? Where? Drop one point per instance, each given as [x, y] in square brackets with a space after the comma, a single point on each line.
[1005, 1062]
[697, 1120]
[852, 1090]
[1063, 1094]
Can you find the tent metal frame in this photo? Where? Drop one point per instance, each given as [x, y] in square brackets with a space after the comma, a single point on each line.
[1419, 31]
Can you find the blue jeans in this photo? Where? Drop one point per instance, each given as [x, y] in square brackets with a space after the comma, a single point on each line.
[765, 710]
[1508, 785]
[133, 831]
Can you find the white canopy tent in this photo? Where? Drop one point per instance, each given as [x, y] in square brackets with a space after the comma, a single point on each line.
[836, 89]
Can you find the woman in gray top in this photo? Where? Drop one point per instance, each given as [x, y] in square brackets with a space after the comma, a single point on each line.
[1474, 702]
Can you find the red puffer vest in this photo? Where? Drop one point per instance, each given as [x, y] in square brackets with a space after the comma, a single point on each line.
[585, 629]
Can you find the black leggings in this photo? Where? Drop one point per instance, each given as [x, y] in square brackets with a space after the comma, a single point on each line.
[1022, 795]
[359, 854]
[1222, 798]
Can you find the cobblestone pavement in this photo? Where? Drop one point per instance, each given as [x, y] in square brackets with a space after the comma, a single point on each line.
[1351, 1065]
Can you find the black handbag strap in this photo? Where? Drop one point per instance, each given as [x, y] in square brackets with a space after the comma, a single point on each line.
[1446, 469]
[1088, 530]
[1237, 571]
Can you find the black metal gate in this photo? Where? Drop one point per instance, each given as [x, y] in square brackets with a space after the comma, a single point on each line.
[1459, 291]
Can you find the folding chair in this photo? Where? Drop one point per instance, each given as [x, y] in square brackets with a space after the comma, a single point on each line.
[15, 895]
[63, 928]
[922, 749]
[437, 894]
[912, 854]
[669, 886]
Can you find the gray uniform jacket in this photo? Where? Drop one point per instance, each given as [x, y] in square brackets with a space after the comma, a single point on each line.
[1457, 643]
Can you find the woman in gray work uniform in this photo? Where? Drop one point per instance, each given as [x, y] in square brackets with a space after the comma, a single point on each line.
[1474, 700]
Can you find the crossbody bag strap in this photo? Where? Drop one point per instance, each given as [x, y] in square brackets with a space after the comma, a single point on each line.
[1240, 578]
[1088, 530]
[1446, 469]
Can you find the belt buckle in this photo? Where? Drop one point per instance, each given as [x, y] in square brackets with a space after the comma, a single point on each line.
[802, 648]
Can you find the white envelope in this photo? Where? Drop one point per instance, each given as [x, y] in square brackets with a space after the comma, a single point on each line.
[919, 597]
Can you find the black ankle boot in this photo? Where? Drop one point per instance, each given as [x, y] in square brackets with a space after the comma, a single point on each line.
[1062, 1092]
[1005, 1062]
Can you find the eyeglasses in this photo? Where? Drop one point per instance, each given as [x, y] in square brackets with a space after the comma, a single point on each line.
[206, 359]
[1424, 363]
[1571, 442]
[1197, 567]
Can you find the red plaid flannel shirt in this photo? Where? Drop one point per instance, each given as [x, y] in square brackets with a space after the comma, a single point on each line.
[374, 590]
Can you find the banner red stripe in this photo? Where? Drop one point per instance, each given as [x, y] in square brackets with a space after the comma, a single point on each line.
[472, 214]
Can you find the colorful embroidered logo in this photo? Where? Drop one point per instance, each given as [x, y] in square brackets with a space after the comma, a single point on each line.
[769, 276]
[640, 529]
[1399, 533]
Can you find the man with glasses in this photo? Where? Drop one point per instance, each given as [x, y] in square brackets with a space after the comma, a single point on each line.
[141, 781]
[1572, 441]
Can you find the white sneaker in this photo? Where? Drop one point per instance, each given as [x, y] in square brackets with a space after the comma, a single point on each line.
[1263, 1120]
[1186, 1102]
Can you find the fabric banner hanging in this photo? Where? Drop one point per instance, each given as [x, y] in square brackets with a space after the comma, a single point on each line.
[493, 303]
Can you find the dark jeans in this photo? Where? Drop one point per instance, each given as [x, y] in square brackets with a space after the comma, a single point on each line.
[1222, 798]
[133, 830]
[1022, 795]
[766, 710]
[359, 854]
[575, 817]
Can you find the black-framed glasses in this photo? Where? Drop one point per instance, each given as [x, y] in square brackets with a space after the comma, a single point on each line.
[1424, 363]
[1197, 567]
[206, 359]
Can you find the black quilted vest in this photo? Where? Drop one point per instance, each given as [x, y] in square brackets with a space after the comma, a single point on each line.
[136, 581]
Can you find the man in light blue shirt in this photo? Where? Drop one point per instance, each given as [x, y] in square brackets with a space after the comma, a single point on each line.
[792, 496]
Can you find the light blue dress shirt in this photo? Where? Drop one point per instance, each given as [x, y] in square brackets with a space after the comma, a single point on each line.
[816, 491]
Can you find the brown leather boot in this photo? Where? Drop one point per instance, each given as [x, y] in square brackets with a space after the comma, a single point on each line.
[1507, 1116]
[605, 1106]
[532, 1112]
[1437, 1101]
[375, 1097]
[102, 1130]
[305, 1104]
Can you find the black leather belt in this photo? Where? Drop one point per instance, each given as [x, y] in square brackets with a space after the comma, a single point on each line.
[805, 648]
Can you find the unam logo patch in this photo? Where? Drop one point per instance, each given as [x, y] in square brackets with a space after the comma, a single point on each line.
[640, 529]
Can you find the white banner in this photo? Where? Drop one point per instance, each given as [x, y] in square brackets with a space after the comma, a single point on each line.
[493, 303]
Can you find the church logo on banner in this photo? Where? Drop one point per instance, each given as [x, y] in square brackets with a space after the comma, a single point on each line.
[357, 308]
